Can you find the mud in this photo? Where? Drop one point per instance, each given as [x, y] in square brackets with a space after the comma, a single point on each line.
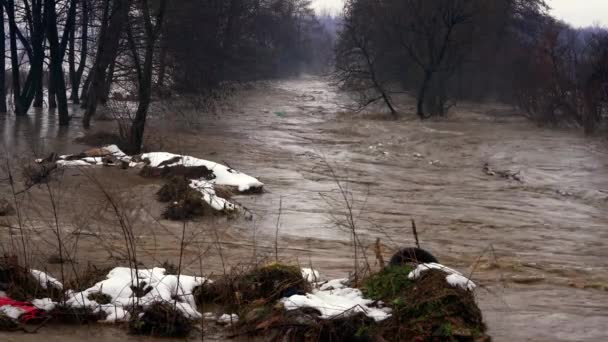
[537, 246]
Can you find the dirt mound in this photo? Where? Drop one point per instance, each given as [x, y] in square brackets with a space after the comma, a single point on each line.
[19, 283]
[425, 309]
[261, 285]
[189, 172]
[160, 319]
[184, 202]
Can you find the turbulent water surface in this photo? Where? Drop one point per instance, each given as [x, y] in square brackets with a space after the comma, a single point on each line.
[537, 246]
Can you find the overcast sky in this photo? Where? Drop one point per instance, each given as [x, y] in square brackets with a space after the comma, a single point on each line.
[576, 12]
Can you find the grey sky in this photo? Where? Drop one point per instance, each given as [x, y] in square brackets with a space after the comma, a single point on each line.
[576, 12]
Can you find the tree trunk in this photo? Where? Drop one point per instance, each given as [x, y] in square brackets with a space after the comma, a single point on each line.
[10, 12]
[34, 48]
[51, 92]
[136, 134]
[422, 94]
[56, 77]
[76, 74]
[2, 64]
[105, 94]
[108, 45]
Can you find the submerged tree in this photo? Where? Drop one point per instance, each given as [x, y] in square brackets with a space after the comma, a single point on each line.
[152, 24]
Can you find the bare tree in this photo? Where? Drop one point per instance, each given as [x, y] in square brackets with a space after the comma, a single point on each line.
[115, 17]
[2, 63]
[144, 67]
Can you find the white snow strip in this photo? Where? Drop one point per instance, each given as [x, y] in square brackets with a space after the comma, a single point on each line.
[228, 319]
[45, 304]
[208, 191]
[45, 279]
[223, 174]
[11, 311]
[454, 278]
[310, 275]
[72, 163]
[334, 299]
[118, 286]
[112, 150]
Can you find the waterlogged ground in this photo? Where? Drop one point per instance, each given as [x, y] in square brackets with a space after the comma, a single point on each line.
[538, 248]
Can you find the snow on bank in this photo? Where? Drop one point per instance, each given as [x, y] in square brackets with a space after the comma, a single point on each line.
[310, 275]
[336, 299]
[11, 311]
[453, 277]
[45, 279]
[223, 174]
[96, 159]
[208, 191]
[119, 286]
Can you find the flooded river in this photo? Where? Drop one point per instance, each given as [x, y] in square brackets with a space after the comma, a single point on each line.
[538, 247]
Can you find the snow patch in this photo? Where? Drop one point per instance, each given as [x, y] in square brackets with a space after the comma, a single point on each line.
[119, 284]
[45, 304]
[11, 311]
[228, 319]
[310, 275]
[454, 278]
[45, 279]
[208, 191]
[223, 174]
[335, 298]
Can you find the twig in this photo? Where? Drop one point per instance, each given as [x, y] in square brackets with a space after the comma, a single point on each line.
[276, 234]
[415, 233]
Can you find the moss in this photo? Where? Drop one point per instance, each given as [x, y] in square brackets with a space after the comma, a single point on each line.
[430, 307]
[162, 320]
[388, 284]
[184, 202]
[100, 297]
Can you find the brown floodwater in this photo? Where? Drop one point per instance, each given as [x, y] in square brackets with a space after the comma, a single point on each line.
[537, 248]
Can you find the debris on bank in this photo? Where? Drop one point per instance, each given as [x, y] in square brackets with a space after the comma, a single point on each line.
[275, 301]
[212, 184]
[143, 288]
[430, 301]
[506, 174]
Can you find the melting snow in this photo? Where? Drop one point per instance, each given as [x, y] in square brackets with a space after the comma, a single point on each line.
[223, 174]
[11, 311]
[310, 275]
[45, 304]
[118, 286]
[228, 319]
[45, 279]
[335, 298]
[454, 278]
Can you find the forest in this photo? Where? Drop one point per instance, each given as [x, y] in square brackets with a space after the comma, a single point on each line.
[507, 50]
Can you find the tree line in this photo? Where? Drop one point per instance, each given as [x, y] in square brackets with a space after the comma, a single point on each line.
[442, 51]
[82, 51]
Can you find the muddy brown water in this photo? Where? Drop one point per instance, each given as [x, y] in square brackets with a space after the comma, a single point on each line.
[537, 248]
